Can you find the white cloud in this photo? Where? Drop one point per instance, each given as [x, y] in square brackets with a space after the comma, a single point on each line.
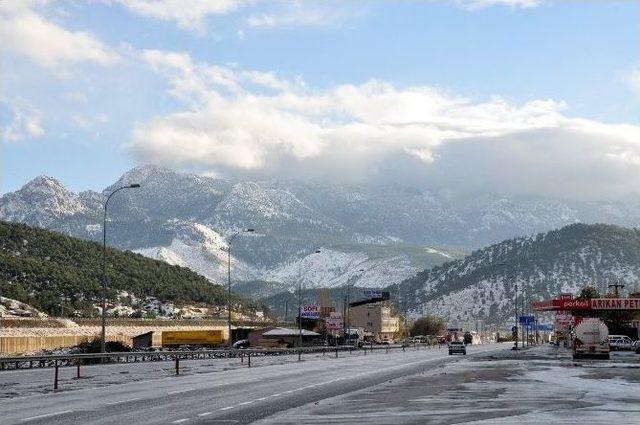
[480, 4]
[255, 122]
[26, 123]
[187, 14]
[304, 13]
[632, 79]
[48, 44]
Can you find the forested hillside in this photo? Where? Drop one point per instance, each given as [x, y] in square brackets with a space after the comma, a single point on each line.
[483, 285]
[42, 267]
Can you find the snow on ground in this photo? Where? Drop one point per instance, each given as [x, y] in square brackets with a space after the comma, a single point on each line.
[331, 268]
[202, 250]
[541, 385]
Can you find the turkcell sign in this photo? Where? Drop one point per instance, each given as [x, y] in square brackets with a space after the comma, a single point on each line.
[310, 312]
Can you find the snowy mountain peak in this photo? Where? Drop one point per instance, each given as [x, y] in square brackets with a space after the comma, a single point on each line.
[40, 202]
[43, 182]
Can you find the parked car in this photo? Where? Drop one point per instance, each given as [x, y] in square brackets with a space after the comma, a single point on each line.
[457, 347]
[636, 346]
[620, 342]
[243, 343]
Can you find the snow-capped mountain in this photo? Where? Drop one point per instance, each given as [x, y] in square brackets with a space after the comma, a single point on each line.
[42, 202]
[483, 284]
[390, 231]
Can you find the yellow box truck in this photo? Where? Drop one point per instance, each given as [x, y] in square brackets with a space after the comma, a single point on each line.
[200, 337]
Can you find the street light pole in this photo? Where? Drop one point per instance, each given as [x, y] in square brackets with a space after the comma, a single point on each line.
[104, 265]
[229, 280]
[317, 251]
[516, 313]
[349, 302]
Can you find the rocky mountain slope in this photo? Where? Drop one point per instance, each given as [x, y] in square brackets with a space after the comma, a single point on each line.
[390, 231]
[483, 285]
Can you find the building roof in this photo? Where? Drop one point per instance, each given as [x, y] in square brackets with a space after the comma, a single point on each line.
[289, 332]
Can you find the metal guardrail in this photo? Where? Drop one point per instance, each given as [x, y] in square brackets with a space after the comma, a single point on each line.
[62, 360]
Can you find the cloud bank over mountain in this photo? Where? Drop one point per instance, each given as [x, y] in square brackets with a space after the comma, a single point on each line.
[259, 123]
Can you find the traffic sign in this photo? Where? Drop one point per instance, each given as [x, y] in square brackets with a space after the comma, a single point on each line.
[527, 320]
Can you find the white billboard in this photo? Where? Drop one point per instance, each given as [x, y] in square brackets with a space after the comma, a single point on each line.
[310, 312]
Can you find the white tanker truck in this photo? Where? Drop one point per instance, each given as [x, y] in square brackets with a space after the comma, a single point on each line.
[591, 339]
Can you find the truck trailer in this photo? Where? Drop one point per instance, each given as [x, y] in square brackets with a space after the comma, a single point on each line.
[591, 339]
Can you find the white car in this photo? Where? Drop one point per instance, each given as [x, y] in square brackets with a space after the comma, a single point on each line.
[620, 342]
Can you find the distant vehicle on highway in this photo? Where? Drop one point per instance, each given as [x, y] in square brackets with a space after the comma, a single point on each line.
[620, 342]
[468, 338]
[457, 347]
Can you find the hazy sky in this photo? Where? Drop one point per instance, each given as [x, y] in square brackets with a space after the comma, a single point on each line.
[522, 97]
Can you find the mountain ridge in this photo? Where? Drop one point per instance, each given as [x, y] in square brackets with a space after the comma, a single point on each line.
[482, 285]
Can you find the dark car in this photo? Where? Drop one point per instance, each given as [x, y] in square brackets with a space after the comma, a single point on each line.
[243, 343]
[457, 347]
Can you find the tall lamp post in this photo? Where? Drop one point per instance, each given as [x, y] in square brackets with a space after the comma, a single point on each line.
[104, 265]
[317, 251]
[348, 318]
[229, 279]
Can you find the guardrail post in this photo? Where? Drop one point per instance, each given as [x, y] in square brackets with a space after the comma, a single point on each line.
[336, 352]
[241, 358]
[177, 365]
[55, 376]
[78, 369]
[387, 349]
[249, 359]
[299, 353]
[403, 346]
[365, 350]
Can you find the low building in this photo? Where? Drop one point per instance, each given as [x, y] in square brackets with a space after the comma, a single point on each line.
[281, 337]
[144, 340]
[375, 319]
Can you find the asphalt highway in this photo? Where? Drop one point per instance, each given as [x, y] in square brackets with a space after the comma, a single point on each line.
[232, 396]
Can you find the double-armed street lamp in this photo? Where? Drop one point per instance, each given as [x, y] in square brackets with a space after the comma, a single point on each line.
[317, 251]
[104, 265]
[229, 278]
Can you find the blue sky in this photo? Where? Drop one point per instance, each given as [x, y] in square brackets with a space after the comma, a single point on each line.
[323, 89]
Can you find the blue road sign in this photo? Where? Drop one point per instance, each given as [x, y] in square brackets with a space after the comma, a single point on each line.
[527, 320]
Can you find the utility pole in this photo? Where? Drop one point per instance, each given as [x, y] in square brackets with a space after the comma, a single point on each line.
[615, 288]
[286, 311]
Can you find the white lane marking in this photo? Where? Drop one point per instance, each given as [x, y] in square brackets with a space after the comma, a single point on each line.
[123, 401]
[227, 408]
[179, 421]
[179, 391]
[46, 415]
[275, 395]
[244, 403]
[205, 414]
[260, 399]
